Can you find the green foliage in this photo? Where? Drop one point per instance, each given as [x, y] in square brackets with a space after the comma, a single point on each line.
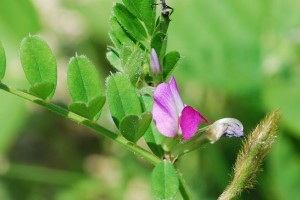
[42, 89]
[91, 109]
[39, 65]
[142, 10]
[170, 61]
[158, 42]
[152, 136]
[2, 62]
[83, 80]
[165, 182]
[85, 88]
[122, 98]
[130, 22]
[133, 127]
[118, 35]
[132, 61]
[113, 57]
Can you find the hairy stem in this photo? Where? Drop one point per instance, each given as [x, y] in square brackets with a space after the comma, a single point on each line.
[249, 159]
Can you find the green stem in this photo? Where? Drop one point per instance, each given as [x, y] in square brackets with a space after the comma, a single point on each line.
[96, 127]
[86, 122]
[194, 143]
[183, 188]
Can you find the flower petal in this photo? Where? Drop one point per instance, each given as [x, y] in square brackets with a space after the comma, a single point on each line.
[229, 127]
[176, 95]
[165, 114]
[189, 122]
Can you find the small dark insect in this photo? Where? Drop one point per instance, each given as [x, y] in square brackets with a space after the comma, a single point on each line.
[166, 10]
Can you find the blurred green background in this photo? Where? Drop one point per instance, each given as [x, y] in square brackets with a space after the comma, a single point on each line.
[241, 59]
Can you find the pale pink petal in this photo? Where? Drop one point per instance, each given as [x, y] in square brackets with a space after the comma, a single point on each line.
[176, 95]
[164, 112]
[154, 62]
[189, 122]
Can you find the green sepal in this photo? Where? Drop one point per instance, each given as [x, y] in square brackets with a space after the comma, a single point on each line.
[43, 90]
[39, 65]
[92, 110]
[165, 181]
[133, 127]
[130, 22]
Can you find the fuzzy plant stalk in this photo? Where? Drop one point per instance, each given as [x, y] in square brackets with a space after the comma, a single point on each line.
[251, 156]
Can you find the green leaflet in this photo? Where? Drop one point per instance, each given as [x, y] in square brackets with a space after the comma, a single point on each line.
[114, 60]
[122, 98]
[170, 61]
[39, 65]
[130, 23]
[2, 62]
[132, 60]
[152, 136]
[144, 10]
[85, 88]
[83, 80]
[42, 89]
[118, 35]
[133, 127]
[90, 110]
[165, 182]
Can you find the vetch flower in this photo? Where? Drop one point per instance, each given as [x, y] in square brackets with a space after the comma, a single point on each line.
[229, 127]
[171, 116]
[154, 62]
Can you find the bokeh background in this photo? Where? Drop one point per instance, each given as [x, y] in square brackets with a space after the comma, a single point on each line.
[241, 59]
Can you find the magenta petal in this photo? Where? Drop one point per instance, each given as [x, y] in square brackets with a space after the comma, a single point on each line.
[176, 95]
[189, 122]
[164, 112]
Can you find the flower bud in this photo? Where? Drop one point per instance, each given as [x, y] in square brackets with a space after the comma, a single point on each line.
[229, 127]
[154, 62]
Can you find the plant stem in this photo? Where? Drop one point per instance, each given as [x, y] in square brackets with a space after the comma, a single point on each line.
[86, 122]
[249, 159]
[96, 127]
[194, 143]
[183, 188]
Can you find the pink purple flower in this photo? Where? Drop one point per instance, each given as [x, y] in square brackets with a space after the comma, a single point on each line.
[171, 116]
